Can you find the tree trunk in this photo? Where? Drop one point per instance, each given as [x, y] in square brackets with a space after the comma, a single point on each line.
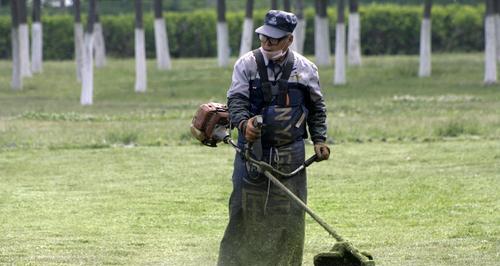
[274, 4]
[78, 39]
[354, 35]
[163, 61]
[62, 4]
[496, 6]
[321, 34]
[37, 42]
[299, 33]
[490, 73]
[86, 97]
[140, 50]
[99, 45]
[247, 36]
[222, 34]
[340, 76]
[426, 42]
[287, 6]
[24, 39]
[17, 81]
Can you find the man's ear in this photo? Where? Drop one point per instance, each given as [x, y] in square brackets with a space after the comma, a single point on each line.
[288, 42]
[290, 39]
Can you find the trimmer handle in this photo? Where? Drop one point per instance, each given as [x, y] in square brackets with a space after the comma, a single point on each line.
[311, 160]
[258, 122]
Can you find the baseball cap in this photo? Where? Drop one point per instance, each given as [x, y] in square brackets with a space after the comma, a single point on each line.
[277, 24]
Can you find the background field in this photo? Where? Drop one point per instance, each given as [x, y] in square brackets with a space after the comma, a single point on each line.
[414, 177]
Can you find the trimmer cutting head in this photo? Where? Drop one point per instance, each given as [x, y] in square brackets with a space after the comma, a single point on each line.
[342, 254]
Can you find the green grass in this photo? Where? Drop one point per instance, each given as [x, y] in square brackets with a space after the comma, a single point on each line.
[409, 203]
[383, 101]
[414, 177]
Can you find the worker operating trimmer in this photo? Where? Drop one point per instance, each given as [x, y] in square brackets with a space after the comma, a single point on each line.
[283, 87]
[274, 101]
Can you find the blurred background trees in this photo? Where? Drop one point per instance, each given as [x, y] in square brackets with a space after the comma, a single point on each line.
[127, 6]
[392, 28]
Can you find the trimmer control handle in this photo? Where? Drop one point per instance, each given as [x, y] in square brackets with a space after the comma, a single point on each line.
[258, 121]
[310, 160]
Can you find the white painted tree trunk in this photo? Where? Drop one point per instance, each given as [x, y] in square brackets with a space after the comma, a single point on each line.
[222, 44]
[86, 97]
[140, 61]
[163, 61]
[24, 44]
[299, 35]
[490, 64]
[321, 41]
[99, 46]
[497, 34]
[354, 40]
[340, 65]
[36, 47]
[78, 32]
[247, 36]
[17, 81]
[424, 69]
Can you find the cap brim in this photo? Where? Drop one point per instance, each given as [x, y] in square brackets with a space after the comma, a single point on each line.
[271, 31]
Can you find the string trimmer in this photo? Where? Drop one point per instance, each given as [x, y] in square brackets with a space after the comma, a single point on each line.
[210, 125]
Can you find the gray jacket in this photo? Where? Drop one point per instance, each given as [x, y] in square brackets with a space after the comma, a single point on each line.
[304, 72]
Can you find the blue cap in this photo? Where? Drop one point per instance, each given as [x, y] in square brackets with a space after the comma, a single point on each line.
[278, 24]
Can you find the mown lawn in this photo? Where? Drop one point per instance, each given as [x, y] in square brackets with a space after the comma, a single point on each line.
[414, 177]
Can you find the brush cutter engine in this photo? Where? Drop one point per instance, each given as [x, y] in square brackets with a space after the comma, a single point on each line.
[210, 123]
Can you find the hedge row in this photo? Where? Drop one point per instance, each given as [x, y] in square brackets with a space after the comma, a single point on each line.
[386, 29]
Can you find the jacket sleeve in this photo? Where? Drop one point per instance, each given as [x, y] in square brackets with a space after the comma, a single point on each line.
[238, 94]
[316, 119]
[239, 106]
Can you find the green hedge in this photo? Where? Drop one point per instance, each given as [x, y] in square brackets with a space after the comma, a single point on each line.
[385, 29]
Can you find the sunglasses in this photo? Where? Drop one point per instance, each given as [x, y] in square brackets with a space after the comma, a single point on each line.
[273, 41]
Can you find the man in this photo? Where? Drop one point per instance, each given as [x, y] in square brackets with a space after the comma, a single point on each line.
[265, 227]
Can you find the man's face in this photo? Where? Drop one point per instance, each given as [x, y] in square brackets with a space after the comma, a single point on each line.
[271, 45]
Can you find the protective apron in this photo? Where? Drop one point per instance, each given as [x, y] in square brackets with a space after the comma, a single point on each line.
[265, 227]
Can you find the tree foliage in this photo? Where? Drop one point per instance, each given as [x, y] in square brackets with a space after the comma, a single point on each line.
[386, 29]
[108, 7]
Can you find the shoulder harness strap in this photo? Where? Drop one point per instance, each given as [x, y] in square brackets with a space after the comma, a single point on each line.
[264, 79]
[283, 99]
[281, 88]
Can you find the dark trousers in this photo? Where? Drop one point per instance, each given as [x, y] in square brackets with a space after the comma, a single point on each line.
[265, 227]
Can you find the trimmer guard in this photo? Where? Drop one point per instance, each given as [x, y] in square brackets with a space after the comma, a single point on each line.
[343, 254]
